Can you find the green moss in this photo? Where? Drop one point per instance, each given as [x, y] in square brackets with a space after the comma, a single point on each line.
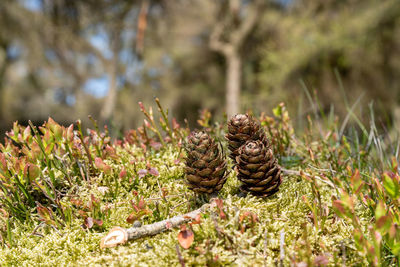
[259, 244]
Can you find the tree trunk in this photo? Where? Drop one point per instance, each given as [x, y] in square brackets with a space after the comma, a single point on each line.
[233, 83]
[3, 69]
[111, 98]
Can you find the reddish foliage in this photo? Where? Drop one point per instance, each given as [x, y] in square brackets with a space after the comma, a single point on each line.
[185, 237]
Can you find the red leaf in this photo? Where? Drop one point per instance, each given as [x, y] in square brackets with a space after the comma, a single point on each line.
[222, 215]
[27, 132]
[141, 204]
[175, 124]
[82, 213]
[122, 174]
[220, 205]
[51, 124]
[76, 202]
[153, 171]
[98, 162]
[141, 106]
[164, 192]
[185, 237]
[102, 166]
[197, 219]
[339, 207]
[131, 218]
[89, 222]
[156, 145]
[142, 173]
[94, 199]
[321, 260]
[110, 151]
[146, 123]
[70, 133]
[98, 222]
[3, 163]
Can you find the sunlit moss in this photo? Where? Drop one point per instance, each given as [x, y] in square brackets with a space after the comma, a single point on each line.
[282, 212]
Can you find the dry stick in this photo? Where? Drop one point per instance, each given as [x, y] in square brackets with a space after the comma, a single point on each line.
[282, 248]
[181, 260]
[119, 235]
[299, 173]
[265, 247]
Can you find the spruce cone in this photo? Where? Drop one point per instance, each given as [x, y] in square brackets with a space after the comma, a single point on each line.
[241, 128]
[257, 168]
[205, 166]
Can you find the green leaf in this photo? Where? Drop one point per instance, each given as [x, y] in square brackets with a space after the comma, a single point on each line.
[33, 171]
[383, 223]
[391, 187]
[396, 249]
[277, 111]
[380, 210]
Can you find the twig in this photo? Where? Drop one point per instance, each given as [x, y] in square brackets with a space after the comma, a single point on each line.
[161, 198]
[36, 228]
[181, 260]
[180, 204]
[282, 248]
[119, 235]
[322, 170]
[147, 199]
[265, 247]
[298, 173]
[343, 254]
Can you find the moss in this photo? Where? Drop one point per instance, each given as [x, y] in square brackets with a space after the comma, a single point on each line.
[259, 244]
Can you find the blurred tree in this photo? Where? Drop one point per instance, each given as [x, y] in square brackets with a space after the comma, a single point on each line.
[228, 36]
[56, 55]
[351, 44]
[58, 46]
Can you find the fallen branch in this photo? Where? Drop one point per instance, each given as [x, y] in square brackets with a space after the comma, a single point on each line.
[119, 235]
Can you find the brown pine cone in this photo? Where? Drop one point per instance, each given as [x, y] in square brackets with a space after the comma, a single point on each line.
[258, 169]
[205, 165]
[241, 128]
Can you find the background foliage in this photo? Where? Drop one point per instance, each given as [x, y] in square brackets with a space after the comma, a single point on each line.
[69, 59]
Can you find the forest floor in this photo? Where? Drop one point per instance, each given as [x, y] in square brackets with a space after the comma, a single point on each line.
[338, 204]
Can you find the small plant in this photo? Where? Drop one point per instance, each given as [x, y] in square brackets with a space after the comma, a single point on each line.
[279, 128]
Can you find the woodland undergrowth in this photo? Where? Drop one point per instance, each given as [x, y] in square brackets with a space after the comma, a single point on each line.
[63, 188]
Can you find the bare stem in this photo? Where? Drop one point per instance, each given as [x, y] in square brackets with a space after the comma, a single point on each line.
[299, 173]
[120, 235]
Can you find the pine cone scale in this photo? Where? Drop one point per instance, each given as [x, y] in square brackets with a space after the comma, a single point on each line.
[204, 173]
[209, 183]
[193, 178]
[199, 163]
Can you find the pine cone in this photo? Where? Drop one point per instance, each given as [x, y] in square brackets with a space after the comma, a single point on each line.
[257, 168]
[241, 128]
[205, 165]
